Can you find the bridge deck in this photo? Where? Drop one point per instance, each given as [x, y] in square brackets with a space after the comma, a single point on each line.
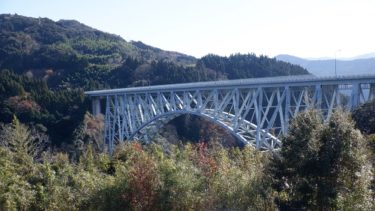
[298, 80]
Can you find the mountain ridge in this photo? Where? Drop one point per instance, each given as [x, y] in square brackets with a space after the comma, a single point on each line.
[329, 67]
[361, 56]
[75, 37]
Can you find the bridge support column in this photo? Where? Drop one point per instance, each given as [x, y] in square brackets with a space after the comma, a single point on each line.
[318, 94]
[372, 92]
[96, 106]
[354, 101]
[258, 115]
[286, 110]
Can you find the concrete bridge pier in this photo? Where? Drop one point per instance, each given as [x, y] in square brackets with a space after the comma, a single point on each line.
[96, 108]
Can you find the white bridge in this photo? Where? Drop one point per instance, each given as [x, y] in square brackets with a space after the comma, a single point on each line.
[256, 111]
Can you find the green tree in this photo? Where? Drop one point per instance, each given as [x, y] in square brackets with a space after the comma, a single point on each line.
[17, 150]
[343, 166]
[322, 166]
[20, 139]
[294, 168]
[364, 117]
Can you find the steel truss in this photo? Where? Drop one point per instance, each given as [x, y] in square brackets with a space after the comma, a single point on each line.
[256, 111]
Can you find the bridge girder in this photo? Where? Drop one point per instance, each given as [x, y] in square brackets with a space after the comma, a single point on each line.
[257, 112]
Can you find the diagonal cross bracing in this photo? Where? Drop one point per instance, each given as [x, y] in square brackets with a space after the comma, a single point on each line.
[256, 111]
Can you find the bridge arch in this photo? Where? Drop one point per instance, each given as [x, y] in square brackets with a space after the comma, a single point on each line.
[152, 126]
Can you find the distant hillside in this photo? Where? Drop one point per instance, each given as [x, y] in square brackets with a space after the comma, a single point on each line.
[363, 65]
[40, 43]
[249, 66]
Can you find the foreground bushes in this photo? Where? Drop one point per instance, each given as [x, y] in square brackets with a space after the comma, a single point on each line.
[136, 178]
[322, 166]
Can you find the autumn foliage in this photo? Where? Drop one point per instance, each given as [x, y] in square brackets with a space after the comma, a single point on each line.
[137, 177]
[201, 176]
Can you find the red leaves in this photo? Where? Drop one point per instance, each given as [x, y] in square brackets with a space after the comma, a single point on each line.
[23, 104]
[137, 146]
[143, 180]
[205, 160]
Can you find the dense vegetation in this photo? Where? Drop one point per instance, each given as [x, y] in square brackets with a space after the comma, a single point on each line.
[322, 166]
[364, 117]
[67, 45]
[56, 112]
[46, 65]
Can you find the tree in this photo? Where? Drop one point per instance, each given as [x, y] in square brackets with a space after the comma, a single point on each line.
[322, 166]
[364, 117]
[344, 171]
[19, 146]
[20, 139]
[90, 132]
[293, 169]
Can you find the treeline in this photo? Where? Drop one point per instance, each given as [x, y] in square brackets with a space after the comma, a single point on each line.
[322, 166]
[56, 112]
[248, 66]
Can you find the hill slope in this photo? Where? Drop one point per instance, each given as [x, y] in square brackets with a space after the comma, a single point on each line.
[51, 63]
[41, 42]
[326, 67]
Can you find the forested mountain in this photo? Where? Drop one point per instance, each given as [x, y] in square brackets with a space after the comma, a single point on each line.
[67, 45]
[46, 65]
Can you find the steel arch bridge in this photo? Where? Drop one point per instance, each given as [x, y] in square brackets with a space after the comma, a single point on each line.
[256, 111]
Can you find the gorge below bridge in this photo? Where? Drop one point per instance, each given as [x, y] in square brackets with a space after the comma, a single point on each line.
[256, 111]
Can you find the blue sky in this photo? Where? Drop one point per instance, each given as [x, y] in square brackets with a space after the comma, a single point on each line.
[306, 28]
